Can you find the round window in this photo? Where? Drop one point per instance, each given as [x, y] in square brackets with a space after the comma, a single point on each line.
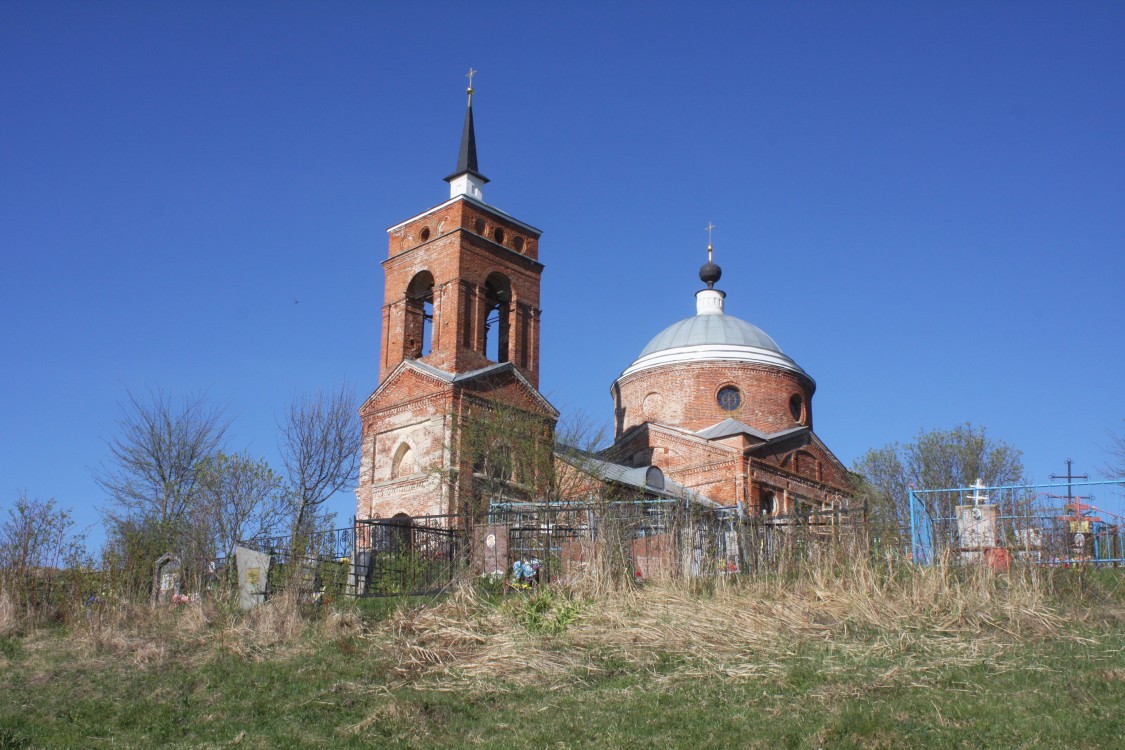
[479, 226]
[729, 398]
[424, 234]
[498, 235]
[796, 407]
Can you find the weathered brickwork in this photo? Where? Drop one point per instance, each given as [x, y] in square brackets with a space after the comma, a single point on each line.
[463, 264]
[686, 395]
[467, 259]
[657, 410]
[461, 336]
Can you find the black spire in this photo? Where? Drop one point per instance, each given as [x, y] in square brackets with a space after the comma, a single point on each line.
[467, 157]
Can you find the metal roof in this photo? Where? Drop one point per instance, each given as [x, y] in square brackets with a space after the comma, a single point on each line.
[710, 329]
[630, 476]
[467, 154]
[713, 337]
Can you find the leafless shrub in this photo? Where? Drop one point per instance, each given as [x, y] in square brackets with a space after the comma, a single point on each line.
[9, 616]
[319, 443]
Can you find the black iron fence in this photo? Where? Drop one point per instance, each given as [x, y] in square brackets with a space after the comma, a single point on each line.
[527, 544]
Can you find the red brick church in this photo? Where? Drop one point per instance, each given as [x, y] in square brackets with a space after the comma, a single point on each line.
[711, 410]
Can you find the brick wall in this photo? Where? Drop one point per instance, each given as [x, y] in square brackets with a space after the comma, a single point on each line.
[685, 395]
[468, 250]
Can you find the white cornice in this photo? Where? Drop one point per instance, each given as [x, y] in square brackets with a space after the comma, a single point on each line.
[714, 352]
[478, 204]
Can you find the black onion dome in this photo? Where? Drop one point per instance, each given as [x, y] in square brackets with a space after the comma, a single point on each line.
[709, 273]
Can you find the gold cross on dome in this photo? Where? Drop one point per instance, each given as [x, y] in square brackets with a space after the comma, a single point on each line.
[710, 227]
[470, 75]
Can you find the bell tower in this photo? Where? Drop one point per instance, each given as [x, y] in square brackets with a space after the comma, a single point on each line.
[460, 341]
[462, 280]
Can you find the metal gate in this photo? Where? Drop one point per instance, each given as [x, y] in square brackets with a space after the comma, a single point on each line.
[407, 556]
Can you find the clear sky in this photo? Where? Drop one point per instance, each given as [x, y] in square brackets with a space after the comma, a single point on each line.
[922, 203]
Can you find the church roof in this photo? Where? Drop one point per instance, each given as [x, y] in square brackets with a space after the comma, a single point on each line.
[464, 377]
[711, 329]
[629, 476]
[467, 154]
[730, 427]
[711, 336]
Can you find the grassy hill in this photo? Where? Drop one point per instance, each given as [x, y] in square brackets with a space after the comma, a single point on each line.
[875, 657]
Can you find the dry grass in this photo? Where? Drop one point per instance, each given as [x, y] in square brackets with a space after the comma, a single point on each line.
[740, 630]
[9, 614]
[554, 637]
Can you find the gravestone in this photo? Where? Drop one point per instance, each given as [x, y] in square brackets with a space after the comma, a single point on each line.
[166, 579]
[253, 575]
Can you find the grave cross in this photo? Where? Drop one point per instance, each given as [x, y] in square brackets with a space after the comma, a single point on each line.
[1070, 477]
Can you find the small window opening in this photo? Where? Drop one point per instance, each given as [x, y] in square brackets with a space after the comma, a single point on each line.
[797, 407]
[517, 243]
[479, 226]
[729, 398]
[654, 478]
[424, 234]
[498, 235]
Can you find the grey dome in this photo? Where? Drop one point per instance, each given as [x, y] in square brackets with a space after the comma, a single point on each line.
[713, 338]
[699, 330]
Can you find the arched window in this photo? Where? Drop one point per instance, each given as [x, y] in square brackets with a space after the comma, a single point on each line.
[498, 302]
[767, 504]
[654, 478]
[797, 408]
[495, 463]
[419, 329]
[403, 464]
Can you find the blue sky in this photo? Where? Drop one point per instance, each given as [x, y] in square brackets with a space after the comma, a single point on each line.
[923, 204]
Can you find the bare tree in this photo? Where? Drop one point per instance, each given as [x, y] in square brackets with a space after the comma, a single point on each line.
[37, 538]
[319, 443]
[152, 484]
[156, 456]
[240, 497]
[1115, 466]
[938, 459]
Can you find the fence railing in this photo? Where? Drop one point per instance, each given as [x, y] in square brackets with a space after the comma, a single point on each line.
[1047, 524]
[526, 544]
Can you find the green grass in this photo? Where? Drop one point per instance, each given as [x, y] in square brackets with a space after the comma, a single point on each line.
[1048, 694]
[334, 688]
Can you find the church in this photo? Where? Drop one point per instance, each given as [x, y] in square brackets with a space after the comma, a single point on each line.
[711, 410]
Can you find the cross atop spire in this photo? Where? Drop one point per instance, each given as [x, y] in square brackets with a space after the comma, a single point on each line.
[709, 274]
[466, 178]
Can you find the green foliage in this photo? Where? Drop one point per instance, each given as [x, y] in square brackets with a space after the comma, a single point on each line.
[240, 497]
[407, 573]
[38, 544]
[131, 549]
[505, 454]
[546, 611]
[13, 739]
[937, 459]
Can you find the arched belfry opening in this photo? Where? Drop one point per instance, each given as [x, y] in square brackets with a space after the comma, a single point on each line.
[498, 316]
[419, 325]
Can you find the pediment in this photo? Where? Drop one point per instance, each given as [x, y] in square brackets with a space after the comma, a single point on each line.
[507, 385]
[405, 383]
